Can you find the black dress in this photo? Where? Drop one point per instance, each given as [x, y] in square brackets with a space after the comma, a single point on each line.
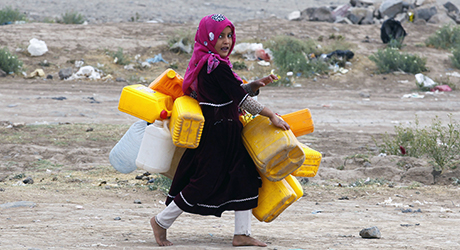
[219, 174]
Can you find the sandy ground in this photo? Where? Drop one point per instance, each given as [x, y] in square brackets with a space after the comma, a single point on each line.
[78, 208]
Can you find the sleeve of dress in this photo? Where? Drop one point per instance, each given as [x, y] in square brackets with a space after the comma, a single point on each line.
[252, 106]
[248, 89]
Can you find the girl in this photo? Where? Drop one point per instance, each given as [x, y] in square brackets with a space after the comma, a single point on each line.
[219, 175]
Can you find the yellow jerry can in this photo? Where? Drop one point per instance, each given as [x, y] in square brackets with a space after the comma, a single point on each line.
[187, 122]
[169, 82]
[144, 103]
[300, 122]
[311, 164]
[276, 196]
[275, 152]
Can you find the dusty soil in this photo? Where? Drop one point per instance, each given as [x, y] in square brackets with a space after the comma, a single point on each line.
[77, 196]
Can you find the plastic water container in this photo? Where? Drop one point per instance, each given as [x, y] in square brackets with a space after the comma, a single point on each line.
[300, 122]
[145, 103]
[123, 155]
[187, 122]
[156, 150]
[311, 164]
[170, 83]
[276, 196]
[275, 152]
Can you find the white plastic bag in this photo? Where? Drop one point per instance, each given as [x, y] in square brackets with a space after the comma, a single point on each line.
[37, 47]
[424, 81]
[123, 155]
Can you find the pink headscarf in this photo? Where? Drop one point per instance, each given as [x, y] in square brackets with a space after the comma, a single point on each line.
[206, 37]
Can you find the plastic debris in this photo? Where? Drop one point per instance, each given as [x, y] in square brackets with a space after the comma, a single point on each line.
[37, 47]
[413, 95]
[182, 47]
[445, 88]
[263, 63]
[157, 58]
[86, 72]
[37, 72]
[253, 51]
[424, 81]
[456, 74]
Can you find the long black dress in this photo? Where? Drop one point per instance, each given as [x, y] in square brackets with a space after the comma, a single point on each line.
[219, 174]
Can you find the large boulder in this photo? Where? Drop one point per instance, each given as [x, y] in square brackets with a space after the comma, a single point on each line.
[361, 3]
[322, 14]
[425, 13]
[390, 8]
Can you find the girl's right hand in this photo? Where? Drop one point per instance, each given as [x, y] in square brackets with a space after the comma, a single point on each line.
[278, 122]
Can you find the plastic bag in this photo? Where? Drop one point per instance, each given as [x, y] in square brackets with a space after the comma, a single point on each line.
[37, 47]
[124, 154]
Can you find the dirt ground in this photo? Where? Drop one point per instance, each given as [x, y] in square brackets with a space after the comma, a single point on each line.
[78, 201]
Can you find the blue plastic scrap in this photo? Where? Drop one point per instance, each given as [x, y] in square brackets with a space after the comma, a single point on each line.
[157, 58]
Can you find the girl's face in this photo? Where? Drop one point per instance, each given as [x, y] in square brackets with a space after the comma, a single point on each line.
[224, 42]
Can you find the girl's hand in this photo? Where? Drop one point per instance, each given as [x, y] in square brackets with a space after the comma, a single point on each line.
[278, 122]
[255, 85]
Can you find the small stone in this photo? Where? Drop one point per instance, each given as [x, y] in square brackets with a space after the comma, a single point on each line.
[120, 79]
[137, 202]
[49, 77]
[117, 218]
[28, 180]
[65, 73]
[370, 233]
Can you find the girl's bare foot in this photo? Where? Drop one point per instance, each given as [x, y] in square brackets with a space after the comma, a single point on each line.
[160, 234]
[243, 240]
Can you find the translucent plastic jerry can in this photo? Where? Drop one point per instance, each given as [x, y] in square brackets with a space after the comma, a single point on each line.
[311, 164]
[300, 122]
[275, 152]
[156, 150]
[276, 196]
[169, 82]
[145, 103]
[187, 122]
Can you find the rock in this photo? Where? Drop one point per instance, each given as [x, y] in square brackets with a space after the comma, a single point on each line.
[120, 79]
[117, 218]
[65, 73]
[137, 202]
[343, 20]
[49, 77]
[322, 14]
[361, 3]
[442, 18]
[390, 8]
[370, 233]
[340, 11]
[357, 15]
[28, 180]
[451, 7]
[295, 16]
[308, 13]
[425, 13]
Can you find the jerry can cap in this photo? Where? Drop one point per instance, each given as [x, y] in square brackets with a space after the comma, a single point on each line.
[171, 73]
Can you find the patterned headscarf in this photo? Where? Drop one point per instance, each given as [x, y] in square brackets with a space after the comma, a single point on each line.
[208, 32]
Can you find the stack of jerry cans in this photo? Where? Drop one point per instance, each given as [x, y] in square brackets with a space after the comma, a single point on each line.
[144, 103]
[275, 152]
[311, 164]
[276, 196]
[187, 122]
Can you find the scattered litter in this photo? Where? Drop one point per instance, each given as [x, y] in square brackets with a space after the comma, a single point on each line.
[37, 72]
[413, 95]
[382, 155]
[424, 81]
[78, 64]
[445, 88]
[263, 63]
[155, 59]
[403, 81]
[86, 72]
[182, 47]
[253, 51]
[316, 212]
[456, 74]
[37, 47]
